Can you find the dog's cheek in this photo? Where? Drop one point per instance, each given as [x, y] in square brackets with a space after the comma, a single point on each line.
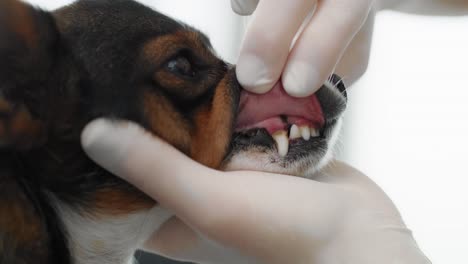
[214, 126]
[165, 121]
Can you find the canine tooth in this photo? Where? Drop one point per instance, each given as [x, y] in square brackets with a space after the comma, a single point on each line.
[282, 142]
[314, 132]
[305, 132]
[294, 132]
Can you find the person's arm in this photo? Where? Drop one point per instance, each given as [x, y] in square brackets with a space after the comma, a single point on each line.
[253, 217]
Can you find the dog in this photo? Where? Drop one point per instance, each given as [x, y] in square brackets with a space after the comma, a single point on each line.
[122, 60]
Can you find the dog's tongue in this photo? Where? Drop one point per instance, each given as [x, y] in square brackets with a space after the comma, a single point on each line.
[265, 110]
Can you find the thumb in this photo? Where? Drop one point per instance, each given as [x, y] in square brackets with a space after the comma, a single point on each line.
[244, 7]
[156, 168]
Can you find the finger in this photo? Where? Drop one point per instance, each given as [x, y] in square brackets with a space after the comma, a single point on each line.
[268, 40]
[322, 43]
[153, 166]
[244, 7]
[229, 208]
[355, 60]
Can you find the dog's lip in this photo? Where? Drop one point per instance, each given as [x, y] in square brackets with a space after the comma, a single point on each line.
[265, 110]
[277, 123]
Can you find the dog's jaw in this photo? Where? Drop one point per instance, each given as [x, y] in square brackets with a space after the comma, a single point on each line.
[267, 160]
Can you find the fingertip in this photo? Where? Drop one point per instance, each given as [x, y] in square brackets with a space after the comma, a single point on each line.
[254, 75]
[302, 79]
[94, 132]
[106, 142]
[244, 7]
[321, 46]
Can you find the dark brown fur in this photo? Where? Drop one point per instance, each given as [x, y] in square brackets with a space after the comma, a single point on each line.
[95, 59]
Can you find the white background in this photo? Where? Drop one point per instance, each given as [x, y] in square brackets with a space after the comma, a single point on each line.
[407, 125]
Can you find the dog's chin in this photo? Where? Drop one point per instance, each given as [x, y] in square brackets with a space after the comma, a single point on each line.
[255, 150]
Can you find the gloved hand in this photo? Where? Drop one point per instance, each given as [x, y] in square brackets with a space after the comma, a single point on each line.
[253, 217]
[266, 55]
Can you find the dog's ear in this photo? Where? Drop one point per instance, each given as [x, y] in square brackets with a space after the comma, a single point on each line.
[23, 235]
[30, 231]
[28, 46]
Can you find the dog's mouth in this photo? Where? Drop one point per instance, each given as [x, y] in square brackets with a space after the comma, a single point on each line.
[287, 120]
[294, 127]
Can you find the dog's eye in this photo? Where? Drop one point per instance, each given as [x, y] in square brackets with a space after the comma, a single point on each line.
[182, 66]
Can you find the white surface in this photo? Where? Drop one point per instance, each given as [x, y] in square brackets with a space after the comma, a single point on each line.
[407, 127]
[213, 17]
[407, 124]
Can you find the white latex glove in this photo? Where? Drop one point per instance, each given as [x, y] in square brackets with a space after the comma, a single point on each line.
[266, 53]
[339, 217]
[426, 7]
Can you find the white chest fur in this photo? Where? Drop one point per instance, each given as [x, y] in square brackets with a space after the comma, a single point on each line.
[109, 239]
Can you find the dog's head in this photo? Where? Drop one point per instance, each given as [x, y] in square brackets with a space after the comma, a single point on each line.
[122, 60]
[111, 58]
[108, 58]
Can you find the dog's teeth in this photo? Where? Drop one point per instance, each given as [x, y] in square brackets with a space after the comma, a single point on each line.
[314, 132]
[305, 132]
[294, 132]
[282, 142]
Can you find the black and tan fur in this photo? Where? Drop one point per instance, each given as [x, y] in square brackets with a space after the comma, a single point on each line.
[95, 58]
[121, 60]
